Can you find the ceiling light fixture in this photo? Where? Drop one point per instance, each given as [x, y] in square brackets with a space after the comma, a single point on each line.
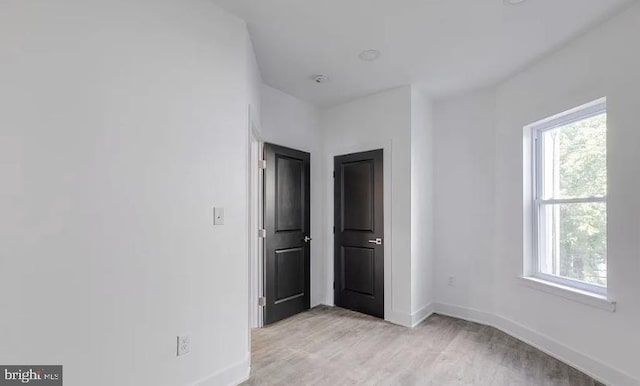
[369, 55]
[514, 2]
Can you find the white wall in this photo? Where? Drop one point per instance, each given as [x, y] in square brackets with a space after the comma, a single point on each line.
[422, 207]
[379, 121]
[290, 122]
[254, 83]
[480, 139]
[464, 191]
[123, 123]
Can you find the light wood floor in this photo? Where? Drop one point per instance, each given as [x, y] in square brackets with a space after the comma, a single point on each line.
[333, 346]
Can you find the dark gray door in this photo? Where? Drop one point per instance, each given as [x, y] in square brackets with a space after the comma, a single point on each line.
[287, 225]
[359, 229]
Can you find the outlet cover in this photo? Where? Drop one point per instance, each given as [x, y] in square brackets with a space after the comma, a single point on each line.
[184, 344]
[218, 216]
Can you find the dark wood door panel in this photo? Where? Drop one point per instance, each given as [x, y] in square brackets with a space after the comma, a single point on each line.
[357, 195]
[287, 225]
[358, 270]
[289, 275]
[290, 194]
[358, 249]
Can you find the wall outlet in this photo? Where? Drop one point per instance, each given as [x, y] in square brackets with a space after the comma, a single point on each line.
[452, 281]
[184, 344]
[218, 216]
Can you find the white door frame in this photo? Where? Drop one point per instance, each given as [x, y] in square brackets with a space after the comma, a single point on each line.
[256, 244]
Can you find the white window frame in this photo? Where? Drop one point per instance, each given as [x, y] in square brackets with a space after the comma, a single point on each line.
[538, 203]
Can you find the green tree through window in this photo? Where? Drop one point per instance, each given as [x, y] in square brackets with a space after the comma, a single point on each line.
[583, 227]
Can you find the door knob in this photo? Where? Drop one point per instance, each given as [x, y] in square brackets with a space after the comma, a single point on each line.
[307, 239]
[377, 241]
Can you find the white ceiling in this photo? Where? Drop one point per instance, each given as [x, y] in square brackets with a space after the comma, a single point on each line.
[444, 46]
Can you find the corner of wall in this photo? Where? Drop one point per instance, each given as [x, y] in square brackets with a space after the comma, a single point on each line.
[254, 84]
[422, 203]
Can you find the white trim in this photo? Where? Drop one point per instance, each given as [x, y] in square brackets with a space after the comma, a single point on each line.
[231, 375]
[422, 314]
[569, 292]
[409, 320]
[592, 289]
[582, 200]
[469, 314]
[579, 113]
[596, 369]
[398, 318]
[254, 221]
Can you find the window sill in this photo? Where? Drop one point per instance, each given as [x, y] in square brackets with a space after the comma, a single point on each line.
[584, 297]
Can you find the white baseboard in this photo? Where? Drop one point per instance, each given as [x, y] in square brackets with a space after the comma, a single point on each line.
[232, 375]
[420, 315]
[409, 320]
[399, 318]
[469, 314]
[600, 371]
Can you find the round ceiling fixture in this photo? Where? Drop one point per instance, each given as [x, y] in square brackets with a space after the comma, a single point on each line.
[369, 55]
[514, 2]
[320, 78]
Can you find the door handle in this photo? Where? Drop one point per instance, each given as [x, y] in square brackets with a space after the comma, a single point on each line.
[307, 239]
[377, 241]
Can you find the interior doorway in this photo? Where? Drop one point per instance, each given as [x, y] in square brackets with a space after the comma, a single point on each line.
[359, 232]
[287, 225]
[279, 231]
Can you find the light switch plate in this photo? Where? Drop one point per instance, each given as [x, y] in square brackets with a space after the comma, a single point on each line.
[184, 344]
[218, 216]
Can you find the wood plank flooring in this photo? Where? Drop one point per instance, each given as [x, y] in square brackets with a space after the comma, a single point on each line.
[333, 346]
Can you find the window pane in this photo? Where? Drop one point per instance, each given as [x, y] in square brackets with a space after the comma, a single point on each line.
[574, 241]
[574, 159]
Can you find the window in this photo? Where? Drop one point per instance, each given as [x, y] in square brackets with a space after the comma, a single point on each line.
[570, 198]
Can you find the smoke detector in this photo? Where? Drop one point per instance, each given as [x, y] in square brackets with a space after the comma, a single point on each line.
[320, 78]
